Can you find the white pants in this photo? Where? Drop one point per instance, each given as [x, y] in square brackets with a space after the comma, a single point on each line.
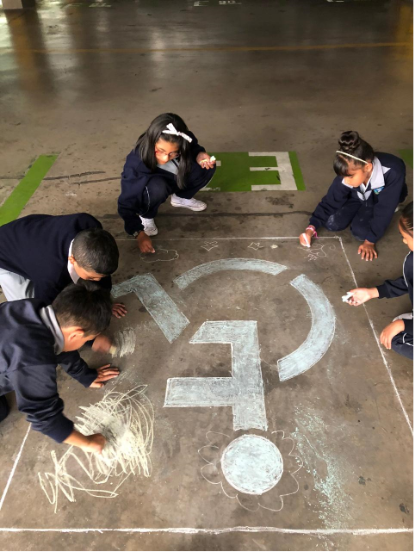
[15, 286]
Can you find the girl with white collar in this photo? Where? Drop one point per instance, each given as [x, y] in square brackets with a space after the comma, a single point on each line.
[365, 194]
[167, 161]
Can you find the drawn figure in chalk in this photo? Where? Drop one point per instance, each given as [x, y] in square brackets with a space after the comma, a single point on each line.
[365, 194]
[34, 339]
[398, 335]
[166, 161]
[41, 254]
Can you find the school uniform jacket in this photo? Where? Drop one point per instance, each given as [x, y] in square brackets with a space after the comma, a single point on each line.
[386, 189]
[28, 362]
[37, 248]
[135, 177]
[401, 286]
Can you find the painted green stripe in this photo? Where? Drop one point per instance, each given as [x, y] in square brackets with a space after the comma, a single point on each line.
[24, 190]
[297, 173]
[407, 156]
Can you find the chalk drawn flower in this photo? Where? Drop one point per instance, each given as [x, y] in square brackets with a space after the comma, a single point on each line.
[255, 470]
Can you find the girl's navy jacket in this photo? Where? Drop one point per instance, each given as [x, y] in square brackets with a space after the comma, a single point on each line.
[28, 365]
[37, 246]
[135, 177]
[383, 196]
[401, 286]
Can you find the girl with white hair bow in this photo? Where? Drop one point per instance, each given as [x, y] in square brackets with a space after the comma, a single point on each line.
[166, 161]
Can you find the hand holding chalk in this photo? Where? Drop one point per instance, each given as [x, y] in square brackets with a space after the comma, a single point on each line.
[347, 297]
[362, 295]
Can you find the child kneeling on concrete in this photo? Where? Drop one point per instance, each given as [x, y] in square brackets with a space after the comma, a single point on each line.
[398, 335]
[365, 194]
[34, 339]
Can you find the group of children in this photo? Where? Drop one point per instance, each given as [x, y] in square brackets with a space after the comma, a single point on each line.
[55, 271]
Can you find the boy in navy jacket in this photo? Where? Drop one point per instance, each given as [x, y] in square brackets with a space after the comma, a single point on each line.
[365, 194]
[41, 254]
[34, 339]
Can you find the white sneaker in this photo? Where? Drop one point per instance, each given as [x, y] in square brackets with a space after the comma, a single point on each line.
[149, 226]
[405, 316]
[192, 204]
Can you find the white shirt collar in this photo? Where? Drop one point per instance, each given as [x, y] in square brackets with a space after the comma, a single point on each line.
[71, 269]
[48, 317]
[377, 176]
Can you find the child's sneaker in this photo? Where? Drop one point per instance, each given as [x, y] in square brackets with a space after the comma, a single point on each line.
[192, 204]
[149, 226]
[405, 316]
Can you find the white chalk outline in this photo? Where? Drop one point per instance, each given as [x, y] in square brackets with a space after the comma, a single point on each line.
[236, 529]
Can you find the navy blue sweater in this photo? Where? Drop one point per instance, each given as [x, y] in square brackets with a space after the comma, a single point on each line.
[28, 366]
[37, 248]
[384, 200]
[400, 286]
[135, 177]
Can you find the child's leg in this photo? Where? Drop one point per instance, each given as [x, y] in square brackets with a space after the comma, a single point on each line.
[155, 194]
[342, 218]
[4, 408]
[196, 180]
[402, 344]
[361, 222]
[14, 286]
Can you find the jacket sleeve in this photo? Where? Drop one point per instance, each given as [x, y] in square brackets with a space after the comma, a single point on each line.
[37, 396]
[195, 146]
[129, 202]
[46, 291]
[335, 198]
[384, 209]
[392, 288]
[77, 368]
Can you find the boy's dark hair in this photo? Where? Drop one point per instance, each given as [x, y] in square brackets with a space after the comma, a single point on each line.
[406, 219]
[351, 142]
[146, 144]
[84, 304]
[95, 249]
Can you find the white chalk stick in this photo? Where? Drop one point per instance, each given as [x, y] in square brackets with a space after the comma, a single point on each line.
[347, 297]
[112, 350]
[306, 239]
[212, 158]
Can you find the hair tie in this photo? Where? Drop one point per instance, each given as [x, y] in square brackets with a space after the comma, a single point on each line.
[353, 156]
[172, 130]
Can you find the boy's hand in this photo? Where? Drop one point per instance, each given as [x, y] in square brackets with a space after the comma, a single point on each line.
[95, 443]
[203, 159]
[119, 310]
[305, 239]
[390, 331]
[362, 295]
[101, 344]
[145, 243]
[367, 251]
[105, 373]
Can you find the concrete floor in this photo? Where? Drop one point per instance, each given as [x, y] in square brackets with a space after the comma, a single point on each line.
[85, 82]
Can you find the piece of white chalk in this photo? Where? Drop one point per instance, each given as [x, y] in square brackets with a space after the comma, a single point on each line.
[112, 350]
[347, 297]
[306, 239]
[212, 158]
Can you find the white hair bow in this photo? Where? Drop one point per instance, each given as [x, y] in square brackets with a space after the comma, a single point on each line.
[172, 130]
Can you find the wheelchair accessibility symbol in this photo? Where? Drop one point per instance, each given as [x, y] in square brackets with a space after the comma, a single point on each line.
[250, 464]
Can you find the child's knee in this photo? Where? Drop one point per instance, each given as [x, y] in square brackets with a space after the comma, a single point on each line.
[4, 408]
[335, 224]
[359, 229]
[158, 191]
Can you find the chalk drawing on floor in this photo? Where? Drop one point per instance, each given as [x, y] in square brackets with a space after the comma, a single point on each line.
[255, 246]
[160, 256]
[318, 251]
[208, 246]
[127, 422]
[158, 303]
[251, 464]
[125, 342]
[255, 480]
[243, 391]
[320, 336]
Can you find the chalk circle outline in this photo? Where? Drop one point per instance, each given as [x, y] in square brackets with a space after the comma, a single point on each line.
[254, 454]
